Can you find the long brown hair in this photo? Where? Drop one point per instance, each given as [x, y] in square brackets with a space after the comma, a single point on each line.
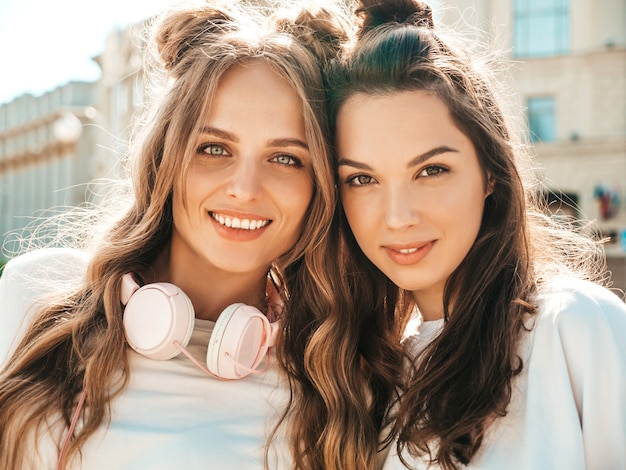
[342, 364]
[76, 344]
[462, 380]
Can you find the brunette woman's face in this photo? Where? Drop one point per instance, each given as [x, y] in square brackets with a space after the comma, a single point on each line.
[249, 183]
[412, 189]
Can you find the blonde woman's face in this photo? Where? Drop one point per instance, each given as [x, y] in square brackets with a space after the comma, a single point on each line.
[249, 183]
[411, 187]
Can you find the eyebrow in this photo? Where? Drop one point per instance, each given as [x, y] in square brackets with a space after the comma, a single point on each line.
[288, 143]
[414, 162]
[219, 133]
[282, 142]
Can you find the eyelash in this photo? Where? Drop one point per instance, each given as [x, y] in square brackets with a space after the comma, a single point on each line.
[353, 180]
[438, 168]
[202, 149]
[295, 162]
[424, 173]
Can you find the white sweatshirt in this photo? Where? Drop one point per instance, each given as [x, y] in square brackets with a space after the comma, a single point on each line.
[172, 415]
[568, 409]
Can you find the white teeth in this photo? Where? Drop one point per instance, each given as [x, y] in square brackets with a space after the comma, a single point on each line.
[243, 224]
[406, 251]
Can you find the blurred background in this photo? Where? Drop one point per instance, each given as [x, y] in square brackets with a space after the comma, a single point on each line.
[72, 84]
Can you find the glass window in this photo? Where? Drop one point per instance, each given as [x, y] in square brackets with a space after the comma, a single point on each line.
[541, 28]
[542, 119]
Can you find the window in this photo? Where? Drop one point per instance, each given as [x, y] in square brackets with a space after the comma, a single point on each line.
[541, 28]
[541, 119]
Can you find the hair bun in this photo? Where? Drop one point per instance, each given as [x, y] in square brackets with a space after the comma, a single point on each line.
[319, 29]
[180, 31]
[374, 13]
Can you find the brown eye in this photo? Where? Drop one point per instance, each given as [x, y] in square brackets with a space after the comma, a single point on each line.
[433, 170]
[360, 180]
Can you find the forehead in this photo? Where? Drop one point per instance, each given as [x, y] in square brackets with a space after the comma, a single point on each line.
[254, 94]
[252, 77]
[372, 120]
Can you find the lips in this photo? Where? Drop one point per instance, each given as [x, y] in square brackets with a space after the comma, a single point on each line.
[239, 222]
[409, 253]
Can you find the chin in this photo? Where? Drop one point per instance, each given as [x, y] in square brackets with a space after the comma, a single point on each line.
[412, 285]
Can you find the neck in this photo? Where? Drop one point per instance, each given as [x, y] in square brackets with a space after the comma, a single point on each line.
[430, 304]
[210, 289]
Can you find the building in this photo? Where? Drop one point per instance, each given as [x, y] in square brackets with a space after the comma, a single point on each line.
[570, 75]
[48, 151]
[54, 147]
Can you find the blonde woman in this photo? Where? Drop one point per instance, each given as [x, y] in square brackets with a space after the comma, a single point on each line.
[133, 357]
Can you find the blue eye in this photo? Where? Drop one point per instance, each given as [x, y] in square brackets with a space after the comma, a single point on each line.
[216, 150]
[285, 159]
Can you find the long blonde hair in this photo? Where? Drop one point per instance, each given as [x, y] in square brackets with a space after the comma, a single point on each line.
[76, 345]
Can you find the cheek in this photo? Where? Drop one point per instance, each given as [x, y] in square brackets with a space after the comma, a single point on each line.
[178, 201]
[295, 195]
[359, 216]
[348, 209]
[188, 198]
[199, 183]
[464, 216]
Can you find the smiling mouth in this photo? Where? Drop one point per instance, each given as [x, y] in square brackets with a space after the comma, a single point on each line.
[237, 223]
[406, 250]
[409, 255]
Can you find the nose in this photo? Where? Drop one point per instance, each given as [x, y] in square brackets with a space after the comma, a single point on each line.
[401, 208]
[245, 182]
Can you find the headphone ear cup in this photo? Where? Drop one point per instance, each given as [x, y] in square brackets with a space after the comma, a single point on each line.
[239, 338]
[155, 316]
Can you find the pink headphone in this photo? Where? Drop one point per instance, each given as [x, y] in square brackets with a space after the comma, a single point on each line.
[159, 320]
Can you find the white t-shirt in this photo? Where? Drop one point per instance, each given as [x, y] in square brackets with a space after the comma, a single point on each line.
[568, 408]
[172, 415]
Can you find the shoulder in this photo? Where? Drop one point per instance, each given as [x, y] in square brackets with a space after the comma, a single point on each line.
[582, 316]
[573, 301]
[577, 366]
[42, 272]
[46, 260]
[27, 279]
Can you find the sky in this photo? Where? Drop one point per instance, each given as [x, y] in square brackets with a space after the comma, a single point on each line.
[45, 44]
